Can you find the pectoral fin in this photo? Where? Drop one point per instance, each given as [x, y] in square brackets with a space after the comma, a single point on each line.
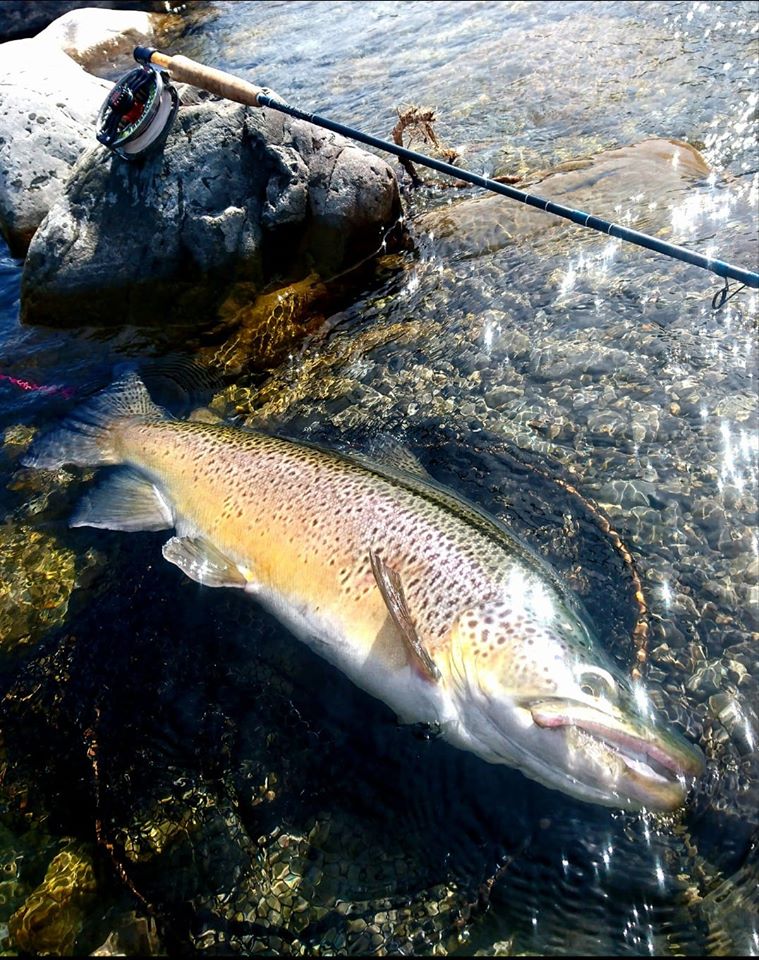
[201, 561]
[391, 588]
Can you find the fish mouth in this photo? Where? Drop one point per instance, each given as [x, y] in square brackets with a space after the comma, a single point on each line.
[648, 767]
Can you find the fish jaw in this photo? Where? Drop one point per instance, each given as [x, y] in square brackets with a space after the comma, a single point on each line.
[604, 761]
[590, 748]
[646, 767]
[535, 692]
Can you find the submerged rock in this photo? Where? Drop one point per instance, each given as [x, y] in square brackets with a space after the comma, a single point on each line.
[50, 920]
[650, 169]
[271, 324]
[48, 109]
[37, 576]
[134, 935]
[238, 195]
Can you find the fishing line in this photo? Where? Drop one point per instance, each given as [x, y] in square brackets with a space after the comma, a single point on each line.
[124, 130]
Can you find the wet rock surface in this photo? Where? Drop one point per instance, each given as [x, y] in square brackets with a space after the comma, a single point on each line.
[237, 195]
[25, 18]
[48, 108]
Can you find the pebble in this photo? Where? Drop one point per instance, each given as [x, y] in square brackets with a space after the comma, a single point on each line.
[708, 679]
[503, 395]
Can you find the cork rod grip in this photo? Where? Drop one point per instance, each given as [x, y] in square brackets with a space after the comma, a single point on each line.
[208, 78]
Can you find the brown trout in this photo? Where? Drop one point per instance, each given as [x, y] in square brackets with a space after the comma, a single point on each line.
[420, 598]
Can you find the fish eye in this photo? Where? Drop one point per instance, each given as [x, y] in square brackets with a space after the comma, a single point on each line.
[597, 682]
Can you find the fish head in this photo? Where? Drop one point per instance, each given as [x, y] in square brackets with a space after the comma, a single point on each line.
[536, 693]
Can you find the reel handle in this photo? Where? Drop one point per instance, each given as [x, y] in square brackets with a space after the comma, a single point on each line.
[199, 75]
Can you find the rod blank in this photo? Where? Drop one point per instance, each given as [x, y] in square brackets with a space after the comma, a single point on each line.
[232, 88]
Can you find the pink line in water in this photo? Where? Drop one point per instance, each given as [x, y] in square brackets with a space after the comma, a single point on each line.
[42, 388]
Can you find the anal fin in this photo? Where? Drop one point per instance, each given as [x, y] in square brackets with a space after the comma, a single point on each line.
[201, 561]
[126, 500]
[391, 588]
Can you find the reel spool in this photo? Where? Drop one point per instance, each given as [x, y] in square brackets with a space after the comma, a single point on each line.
[137, 114]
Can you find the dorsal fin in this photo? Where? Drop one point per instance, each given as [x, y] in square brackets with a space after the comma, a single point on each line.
[388, 450]
[391, 588]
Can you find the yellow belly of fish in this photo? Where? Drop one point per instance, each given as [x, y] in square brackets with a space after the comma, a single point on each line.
[346, 623]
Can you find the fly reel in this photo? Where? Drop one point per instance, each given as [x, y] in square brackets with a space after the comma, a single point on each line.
[137, 114]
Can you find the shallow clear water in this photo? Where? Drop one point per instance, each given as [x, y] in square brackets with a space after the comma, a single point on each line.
[515, 355]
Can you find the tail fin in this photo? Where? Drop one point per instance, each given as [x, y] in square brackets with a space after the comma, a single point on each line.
[86, 438]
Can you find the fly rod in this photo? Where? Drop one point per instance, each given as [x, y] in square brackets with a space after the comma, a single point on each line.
[139, 111]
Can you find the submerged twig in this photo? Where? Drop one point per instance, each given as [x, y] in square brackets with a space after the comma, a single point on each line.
[91, 745]
[420, 122]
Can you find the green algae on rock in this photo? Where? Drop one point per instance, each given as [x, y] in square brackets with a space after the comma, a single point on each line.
[37, 575]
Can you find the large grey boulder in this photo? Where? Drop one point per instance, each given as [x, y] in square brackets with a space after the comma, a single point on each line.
[25, 18]
[43, 132]
[48, 109]
[238, 196]
[102, 41]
